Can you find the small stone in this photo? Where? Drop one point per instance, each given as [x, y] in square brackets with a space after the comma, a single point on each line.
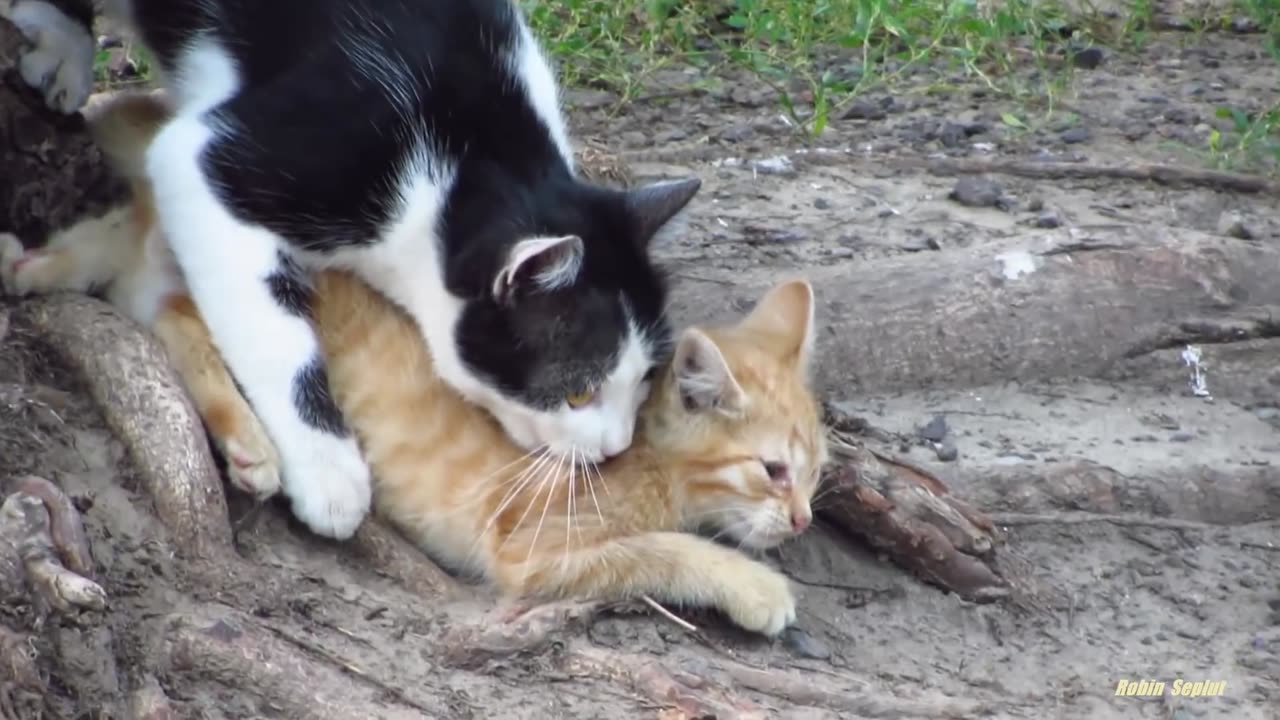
[1154, 99]
[777, 165]
[737, 133]
[1048, 219]
[805, 645]
[952, 135]
[1181, 437]
[822, 204]
[934, 430]
[1075, 135]
[864, 110]
[1136, 131]
[1243, 25]
[1232, 224]
[1267, 413]
[1088, 58]
[974, 191]
[1035, 204]
[947, 451]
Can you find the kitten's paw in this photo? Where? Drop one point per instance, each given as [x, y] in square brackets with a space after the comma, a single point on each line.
[20, 269]
[329, 484]
[252, 464]
[59, 60]
[760, 600]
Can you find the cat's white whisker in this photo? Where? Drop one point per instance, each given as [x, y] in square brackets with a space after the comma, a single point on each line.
[551, 483]
[529, 474]
[591, 487]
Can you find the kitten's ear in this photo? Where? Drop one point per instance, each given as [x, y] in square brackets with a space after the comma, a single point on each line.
[547, 263]
[652, 206]
[702, 376]
[786, 313]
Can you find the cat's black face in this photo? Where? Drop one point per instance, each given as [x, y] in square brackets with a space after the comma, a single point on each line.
[567, 321]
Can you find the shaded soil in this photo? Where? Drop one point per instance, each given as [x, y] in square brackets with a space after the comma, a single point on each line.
[1072, 465]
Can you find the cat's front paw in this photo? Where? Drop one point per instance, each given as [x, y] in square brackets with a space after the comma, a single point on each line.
[59, 59]
[16, 277]
[759, 599]
[328, 483]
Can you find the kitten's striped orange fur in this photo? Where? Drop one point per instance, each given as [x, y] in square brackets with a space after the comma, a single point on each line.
[729, 439]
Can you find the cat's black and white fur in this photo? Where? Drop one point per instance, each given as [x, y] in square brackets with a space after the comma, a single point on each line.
[420, 144]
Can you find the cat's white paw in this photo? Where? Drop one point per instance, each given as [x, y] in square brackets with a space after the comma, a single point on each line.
[59, 61]
[252, 464]
[16, 276]
[328, 482]
[760, 600]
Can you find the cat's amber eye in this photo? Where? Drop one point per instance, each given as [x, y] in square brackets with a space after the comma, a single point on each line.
[579, 399]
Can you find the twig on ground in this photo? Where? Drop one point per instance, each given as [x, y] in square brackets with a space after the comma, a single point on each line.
[797, 690]
[668, 614]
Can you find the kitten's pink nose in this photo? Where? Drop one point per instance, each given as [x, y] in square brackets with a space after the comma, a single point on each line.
[800, 521]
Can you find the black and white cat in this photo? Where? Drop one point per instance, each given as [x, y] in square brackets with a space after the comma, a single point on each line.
[419, 143]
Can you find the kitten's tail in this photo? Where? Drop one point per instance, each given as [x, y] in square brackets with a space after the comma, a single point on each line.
[123, 125]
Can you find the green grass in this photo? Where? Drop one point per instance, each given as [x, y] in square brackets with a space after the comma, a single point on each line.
[818, 55]
[821, 55]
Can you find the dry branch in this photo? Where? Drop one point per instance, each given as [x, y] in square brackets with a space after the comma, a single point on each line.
[910, 514]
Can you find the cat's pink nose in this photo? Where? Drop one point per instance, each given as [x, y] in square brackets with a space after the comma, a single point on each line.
[799, 521]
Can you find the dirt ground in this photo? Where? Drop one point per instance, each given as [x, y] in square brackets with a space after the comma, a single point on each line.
[1071, 465]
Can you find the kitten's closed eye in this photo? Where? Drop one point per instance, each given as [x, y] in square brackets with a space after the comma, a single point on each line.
[650, 373]
[777, 471]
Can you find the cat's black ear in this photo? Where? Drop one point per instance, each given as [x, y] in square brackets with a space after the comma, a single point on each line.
[651, 207]
[546, 263]
[703, 376]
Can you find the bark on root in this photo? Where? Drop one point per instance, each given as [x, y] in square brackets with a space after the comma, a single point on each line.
[909, 513]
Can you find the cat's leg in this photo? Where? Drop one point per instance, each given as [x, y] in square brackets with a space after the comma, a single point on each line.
[252, 463]
[59, 59]
[677, 567]
[255, 303]
[86, 255]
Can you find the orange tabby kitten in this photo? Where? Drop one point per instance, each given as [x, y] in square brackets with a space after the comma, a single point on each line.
[730, 439]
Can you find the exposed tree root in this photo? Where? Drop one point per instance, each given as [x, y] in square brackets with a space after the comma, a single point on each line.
[1171, 175]
[227, 647]
[143, 402]
[386, 550]
[25, 533]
